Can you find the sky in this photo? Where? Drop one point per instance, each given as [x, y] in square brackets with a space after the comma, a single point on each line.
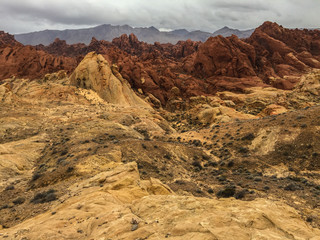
[20, 16]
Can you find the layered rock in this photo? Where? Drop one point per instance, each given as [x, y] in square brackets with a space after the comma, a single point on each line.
[95, 73]
[283, 52]
[220, 56]
[117, 204]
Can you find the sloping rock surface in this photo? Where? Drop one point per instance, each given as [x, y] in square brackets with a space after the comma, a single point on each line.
[95, 73]
[117, 204]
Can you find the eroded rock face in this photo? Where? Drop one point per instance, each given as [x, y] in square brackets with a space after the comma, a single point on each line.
[272, 56]
[117, 204]
[282, 52]
[7, 39]
[299, 40]
[271, 51]
[220, 56]
[26, 61]
[310, 83]
[95, 73]
[61, 48]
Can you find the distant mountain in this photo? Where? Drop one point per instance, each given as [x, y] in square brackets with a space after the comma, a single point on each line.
[226, 31]
[108, 32]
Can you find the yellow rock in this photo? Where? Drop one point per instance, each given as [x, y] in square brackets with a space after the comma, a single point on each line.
[95, 73]
[310, 83]
[104, 206]
[273, 109]
[19, 157]
[221, 114]
[175, 91]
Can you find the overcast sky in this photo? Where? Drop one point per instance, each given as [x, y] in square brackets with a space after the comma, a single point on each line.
[19, 16]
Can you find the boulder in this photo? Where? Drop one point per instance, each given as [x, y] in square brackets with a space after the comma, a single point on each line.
[273, 109]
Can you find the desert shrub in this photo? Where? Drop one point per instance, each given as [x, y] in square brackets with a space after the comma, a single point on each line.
[197, 164]
[227, 192]
[10, 187]
[241, 194]
[19, 200]
[43, 197]
[249, 136]
[35, 176]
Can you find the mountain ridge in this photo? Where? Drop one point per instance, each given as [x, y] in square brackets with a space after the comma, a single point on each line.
[226, 32]
[108, 32]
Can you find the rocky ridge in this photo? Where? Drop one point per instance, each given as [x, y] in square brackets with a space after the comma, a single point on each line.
[26, 61]
[269, 57]
[108, 32]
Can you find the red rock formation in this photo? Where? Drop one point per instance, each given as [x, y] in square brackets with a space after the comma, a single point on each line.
[299, 40]
[133, 46]
[284, 52]
[220, 56]
[184, 49]
[7, 40]
[225, 64]
[61, 48]
[273, 56]
[26, 61]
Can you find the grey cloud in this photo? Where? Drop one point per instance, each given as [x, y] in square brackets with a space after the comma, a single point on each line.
[245, 5]
[209, 15]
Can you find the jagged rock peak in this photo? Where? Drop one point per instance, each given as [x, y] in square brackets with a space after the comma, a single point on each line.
[7, 39]
[93, 40]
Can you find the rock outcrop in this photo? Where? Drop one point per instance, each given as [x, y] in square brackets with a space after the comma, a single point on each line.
[309, 83]
[220, 56]
[25, 61]
[133, 46]
[272, 56]
[117, 204]
[7, 40]
[283, 52]
[61, 48]
[95, 73]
